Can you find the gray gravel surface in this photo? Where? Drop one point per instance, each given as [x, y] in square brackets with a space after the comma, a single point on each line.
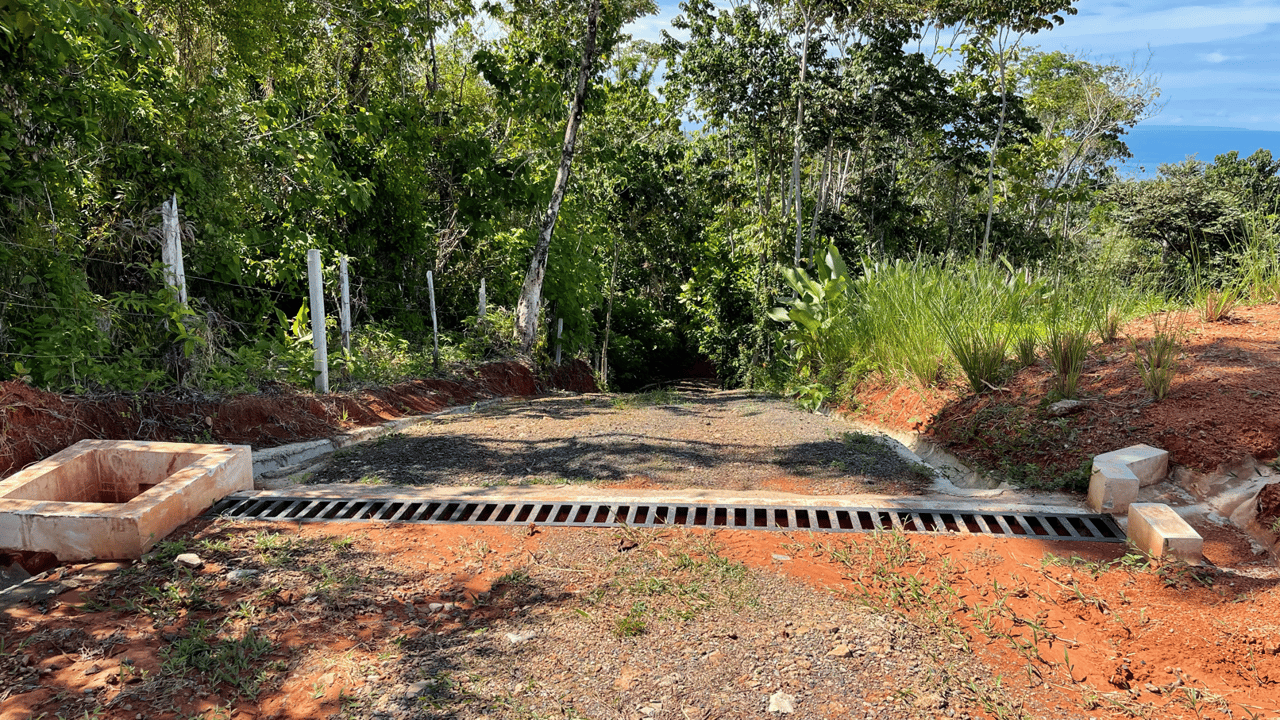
[707, 639]
[685, 439]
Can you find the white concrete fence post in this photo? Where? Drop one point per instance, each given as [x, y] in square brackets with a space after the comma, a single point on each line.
[559, 333]
[480, 314]
[435, 331]
[171, 248]
[316, 281]
[344, 310]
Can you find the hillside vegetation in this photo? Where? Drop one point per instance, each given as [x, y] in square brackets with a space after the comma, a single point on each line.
[964, 177]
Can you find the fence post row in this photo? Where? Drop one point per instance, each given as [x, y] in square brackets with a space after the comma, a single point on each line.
[171, 248]
[435, 331]
[316, 282]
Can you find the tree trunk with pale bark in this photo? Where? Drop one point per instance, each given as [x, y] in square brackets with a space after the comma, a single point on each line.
[531, 293]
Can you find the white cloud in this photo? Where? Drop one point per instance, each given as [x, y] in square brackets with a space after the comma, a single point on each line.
[1214, 57]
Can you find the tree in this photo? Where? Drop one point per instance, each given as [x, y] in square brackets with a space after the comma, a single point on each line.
[526, 325]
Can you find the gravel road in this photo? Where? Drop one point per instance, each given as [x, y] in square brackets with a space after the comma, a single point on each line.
[691, 438]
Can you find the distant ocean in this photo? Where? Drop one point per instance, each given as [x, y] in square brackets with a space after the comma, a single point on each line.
[1153, 145]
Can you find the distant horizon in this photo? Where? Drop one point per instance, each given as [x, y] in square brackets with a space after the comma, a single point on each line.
[1154, 144]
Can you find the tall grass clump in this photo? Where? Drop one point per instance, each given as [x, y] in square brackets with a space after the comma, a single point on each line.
[1067, 348]
[1026, 345]
[1106, 304]
[975, 316]
[1217, 303]
[1157, 358]
[1258, 261]
[896, 324]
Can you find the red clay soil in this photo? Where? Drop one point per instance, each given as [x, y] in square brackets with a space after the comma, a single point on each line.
[1224, 403]
[1072, 629]
[35, 424]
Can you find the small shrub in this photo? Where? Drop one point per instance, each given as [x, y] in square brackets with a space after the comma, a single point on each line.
[1157, 358]
[1067, 349]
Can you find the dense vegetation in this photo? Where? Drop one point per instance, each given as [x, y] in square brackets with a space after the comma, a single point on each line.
[966, 177]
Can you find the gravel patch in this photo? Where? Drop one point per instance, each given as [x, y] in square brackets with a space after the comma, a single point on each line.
[688, 439]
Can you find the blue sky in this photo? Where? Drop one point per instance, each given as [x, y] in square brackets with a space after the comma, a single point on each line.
[1218, 65]
[1218, 62]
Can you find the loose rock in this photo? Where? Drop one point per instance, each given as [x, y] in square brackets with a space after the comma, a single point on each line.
[782, 703]
[189, 560]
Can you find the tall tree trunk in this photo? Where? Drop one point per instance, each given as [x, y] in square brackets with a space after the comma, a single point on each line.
[795, 153]
[822, 202]
[995, 145]
[531, 293]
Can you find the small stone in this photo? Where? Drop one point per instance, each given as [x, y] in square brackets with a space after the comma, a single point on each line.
[238, 575]
[782, 703]
[1065, 407]
[518, 638]
[840, 651]
[1151, 689]
[435, 607]
[92, 670]
[781, 558]
[189, 560]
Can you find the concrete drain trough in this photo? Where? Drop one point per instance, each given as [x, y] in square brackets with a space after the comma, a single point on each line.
[113, 499]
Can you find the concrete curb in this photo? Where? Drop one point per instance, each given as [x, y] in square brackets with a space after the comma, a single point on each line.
[288, 459]
[585, 493]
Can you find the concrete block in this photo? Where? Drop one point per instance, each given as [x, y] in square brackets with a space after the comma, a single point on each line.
[1149, 464]
[1157, 530]
[113, 499]
[1111, 487]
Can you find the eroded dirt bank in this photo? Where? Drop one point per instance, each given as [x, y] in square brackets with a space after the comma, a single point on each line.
[36, 424]
[1224, 404]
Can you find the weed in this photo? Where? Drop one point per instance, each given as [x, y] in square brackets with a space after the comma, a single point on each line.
[645, 399]
[632, 624]
[233, 661]
[516, 578]
[371, 479]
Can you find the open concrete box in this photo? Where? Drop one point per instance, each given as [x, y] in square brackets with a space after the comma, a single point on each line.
[112, 499]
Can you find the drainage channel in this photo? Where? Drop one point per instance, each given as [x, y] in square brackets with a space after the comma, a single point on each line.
[1049, 526]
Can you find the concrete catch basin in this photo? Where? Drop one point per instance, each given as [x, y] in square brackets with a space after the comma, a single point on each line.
[113, 499]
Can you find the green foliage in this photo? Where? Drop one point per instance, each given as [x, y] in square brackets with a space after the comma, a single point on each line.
[817, 306]
[235, 661]
[404, 137]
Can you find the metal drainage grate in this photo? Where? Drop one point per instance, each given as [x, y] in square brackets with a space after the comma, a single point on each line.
[1051, 526]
